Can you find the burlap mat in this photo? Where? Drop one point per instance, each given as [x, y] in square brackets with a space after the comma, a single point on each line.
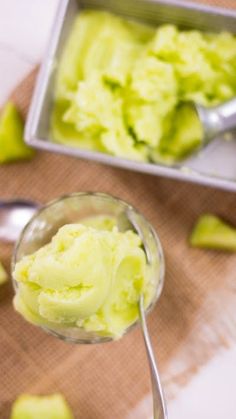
[194, 318]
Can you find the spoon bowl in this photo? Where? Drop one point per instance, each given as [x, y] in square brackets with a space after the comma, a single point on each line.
[216, 120]
[14, 215]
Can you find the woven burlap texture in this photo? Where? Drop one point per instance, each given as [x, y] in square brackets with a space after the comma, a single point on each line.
[194, 318]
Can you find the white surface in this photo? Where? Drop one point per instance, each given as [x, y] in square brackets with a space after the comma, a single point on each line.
[211, 394]
[24, 30]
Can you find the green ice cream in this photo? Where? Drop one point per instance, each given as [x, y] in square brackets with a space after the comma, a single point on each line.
[89, 276]
[120, 86]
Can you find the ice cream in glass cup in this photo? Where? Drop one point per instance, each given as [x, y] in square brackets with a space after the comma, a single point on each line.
[81, 264]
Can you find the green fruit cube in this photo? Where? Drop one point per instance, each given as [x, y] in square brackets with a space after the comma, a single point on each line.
[12, 146]
[41, 407]
[211, 232]
[3, 274]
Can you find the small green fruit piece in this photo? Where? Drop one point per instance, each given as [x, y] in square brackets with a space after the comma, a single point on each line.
[12, 146]
[41, 407]
[3, 274]
[211, 232]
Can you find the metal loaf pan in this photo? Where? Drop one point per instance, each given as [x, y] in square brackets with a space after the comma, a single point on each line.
[213, 166]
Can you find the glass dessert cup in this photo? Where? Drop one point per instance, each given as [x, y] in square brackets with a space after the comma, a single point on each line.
[75, 208]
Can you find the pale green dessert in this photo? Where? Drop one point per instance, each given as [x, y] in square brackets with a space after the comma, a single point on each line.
[3, 274]
[100, 222]
[89, 276]
[12, 146]
[120, 87]
[28, 406]
[185, 136]
[211, 232]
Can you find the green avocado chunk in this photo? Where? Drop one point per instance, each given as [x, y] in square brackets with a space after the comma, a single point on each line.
[3, 274]
[12, 146]
[41, 407]
[211, 232]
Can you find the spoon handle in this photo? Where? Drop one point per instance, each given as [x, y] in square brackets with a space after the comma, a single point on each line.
[159, 404]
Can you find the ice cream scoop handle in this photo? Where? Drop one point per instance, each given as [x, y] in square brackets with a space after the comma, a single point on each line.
[227, 115]
[217, 120]
[159, 404]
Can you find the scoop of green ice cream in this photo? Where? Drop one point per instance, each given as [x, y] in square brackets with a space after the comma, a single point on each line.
[86, 277]
[185, 135]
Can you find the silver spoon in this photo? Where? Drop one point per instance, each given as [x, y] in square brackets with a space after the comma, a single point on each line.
[159, 402]
[14, 215]
[216, 120]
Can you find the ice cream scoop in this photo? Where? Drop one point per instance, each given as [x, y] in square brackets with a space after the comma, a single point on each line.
[216, 120]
